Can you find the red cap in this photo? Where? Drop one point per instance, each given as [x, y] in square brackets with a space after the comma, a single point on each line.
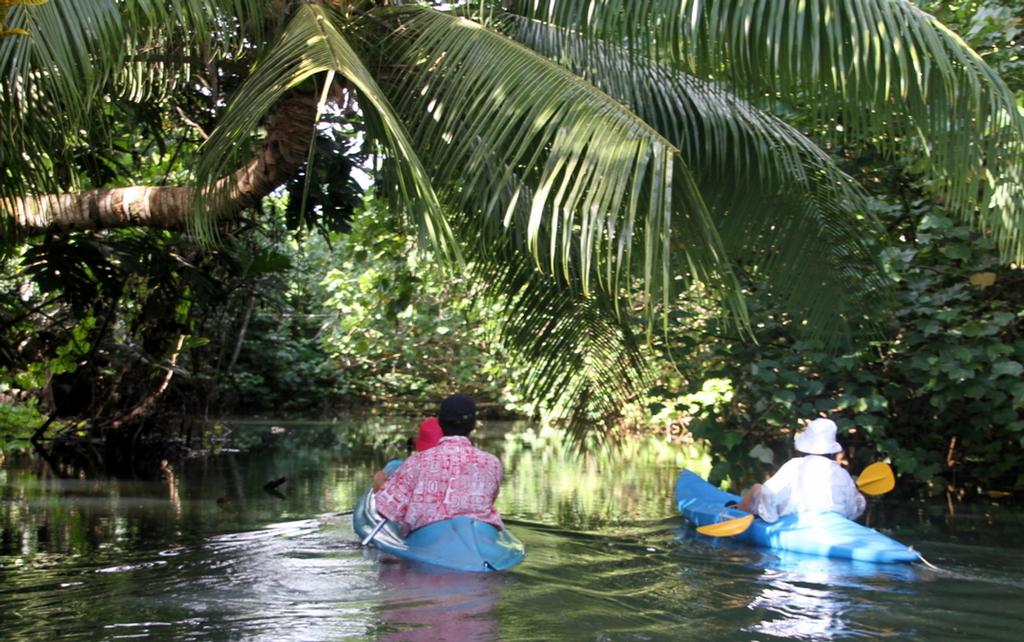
[430, 433]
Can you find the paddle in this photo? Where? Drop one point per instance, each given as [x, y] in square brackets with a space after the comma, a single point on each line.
[727, 528]
[876, 479]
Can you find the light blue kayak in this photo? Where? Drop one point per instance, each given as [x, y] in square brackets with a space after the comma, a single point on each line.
[819, 533]
[461, 543]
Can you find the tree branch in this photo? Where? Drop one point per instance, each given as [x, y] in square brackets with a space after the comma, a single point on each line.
[289, 127]
[143, 406]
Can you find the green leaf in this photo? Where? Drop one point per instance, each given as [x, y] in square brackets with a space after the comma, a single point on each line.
[784, 397]
[268, 262]
[1007, 367]
[192, 342]
[930, 326]
[975, 391]
[815, 387]
[956, 252]
[935, 221]
[978, 329]
[1002, 319]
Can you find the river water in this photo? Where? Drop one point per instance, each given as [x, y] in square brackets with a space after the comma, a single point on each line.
[206, 553]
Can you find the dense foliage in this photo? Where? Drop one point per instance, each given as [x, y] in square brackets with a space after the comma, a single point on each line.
[939, 391]
[366, 320]
[127, 327]
[936, 387]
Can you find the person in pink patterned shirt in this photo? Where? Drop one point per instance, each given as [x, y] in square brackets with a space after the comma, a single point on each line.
[452, 478]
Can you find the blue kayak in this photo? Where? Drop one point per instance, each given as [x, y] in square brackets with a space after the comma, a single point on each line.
[460, 543]
[818, 533]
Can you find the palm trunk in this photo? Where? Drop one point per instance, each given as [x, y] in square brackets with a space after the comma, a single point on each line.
[289, 128]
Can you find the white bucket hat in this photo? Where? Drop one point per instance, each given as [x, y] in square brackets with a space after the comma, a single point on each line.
[819, 438]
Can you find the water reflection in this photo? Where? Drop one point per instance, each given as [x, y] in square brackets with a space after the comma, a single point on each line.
[45, 515]
[547, 480]
[804, 611]
[422, 603]
[293, 580]
[797, 596]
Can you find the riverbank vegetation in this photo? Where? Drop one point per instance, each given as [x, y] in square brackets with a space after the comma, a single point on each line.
[702, 243]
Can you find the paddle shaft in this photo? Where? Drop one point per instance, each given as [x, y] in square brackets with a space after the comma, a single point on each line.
[373, 533]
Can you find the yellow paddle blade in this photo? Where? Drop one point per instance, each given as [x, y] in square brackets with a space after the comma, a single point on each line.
[876, 479]
[727, 528]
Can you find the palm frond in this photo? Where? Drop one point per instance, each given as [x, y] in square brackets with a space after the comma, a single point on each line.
[575, 356]
[781, 205]
[312, 43]
[580, 361]
[881, 68]
[487, 112]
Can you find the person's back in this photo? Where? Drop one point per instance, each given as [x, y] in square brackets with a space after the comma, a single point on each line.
[811, 483]
[453, 478]
[814, 482]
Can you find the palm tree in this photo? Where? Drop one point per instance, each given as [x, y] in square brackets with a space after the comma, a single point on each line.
[588, 157]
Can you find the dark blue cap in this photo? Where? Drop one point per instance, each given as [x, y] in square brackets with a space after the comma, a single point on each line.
[457, 409]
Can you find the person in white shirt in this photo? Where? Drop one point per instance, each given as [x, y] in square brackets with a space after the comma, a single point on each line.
[815, 482]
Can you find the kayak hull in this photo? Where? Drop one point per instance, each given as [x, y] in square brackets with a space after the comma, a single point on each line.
[460, 543]
[822, 533]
